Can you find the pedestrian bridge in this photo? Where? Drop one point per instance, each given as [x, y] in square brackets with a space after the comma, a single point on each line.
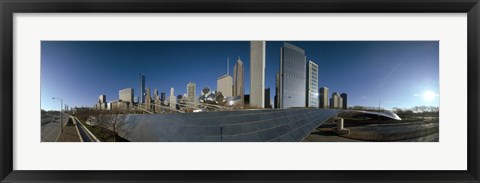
[278, 125]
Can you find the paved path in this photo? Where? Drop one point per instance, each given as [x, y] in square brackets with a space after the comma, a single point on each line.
[70, 133]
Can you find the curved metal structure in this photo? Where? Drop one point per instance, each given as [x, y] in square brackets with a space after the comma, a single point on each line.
[282, 125]
[370, 114]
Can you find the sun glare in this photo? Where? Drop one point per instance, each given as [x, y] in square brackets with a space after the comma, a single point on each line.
[428, 95]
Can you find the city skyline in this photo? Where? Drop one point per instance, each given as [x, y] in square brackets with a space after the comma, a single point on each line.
[105, 67]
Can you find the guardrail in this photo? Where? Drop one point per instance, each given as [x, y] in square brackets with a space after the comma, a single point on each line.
[80, 125]
[76, 127]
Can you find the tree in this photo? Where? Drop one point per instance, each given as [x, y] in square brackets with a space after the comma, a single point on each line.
[114, 121]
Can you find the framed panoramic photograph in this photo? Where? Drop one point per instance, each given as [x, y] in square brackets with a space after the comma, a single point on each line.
[255, 91]
[298, 111]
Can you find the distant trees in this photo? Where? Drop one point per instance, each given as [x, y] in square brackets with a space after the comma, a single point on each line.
[404, 113]
[418, 112]
[365, 108]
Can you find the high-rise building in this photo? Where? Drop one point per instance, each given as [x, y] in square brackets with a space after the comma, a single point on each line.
[141, 88]
[173, 99]
[155, 93]
[336, 101]
[257, 74]
[101, 103]
[324, 97]
[224, 85]
[102, 99]
[191, 94]
[126, 95]
[292, 76]
[277, 90]
[148, 100]
[344, 100]
[340, 102]
[267, 98]
[332, 102]
[162, 96]
[238, 80]
[312, 85]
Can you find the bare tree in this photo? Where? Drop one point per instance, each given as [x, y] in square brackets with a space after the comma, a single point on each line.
[114, 121]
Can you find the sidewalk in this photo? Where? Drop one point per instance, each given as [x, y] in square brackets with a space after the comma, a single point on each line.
[69, 134]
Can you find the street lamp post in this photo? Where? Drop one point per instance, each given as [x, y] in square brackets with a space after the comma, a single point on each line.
[61, 113]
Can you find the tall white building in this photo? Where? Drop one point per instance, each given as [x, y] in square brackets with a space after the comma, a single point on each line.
[336, 101]
[191, 94]
[148, 100]
[173, 99]
[312, 85]
[257, 74]
[238, 80]
[224, 85]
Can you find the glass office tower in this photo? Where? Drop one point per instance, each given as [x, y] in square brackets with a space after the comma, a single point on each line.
[292, 76]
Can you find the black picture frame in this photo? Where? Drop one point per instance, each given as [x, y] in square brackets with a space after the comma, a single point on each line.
[9, 7]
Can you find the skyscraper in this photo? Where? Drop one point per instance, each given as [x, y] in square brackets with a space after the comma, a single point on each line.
[102, 102]
[191, 94]
[148, 100]
[292, 76]
[224, 85]
[155, 93]
[344, 100]
[257, 74]
[126, 95]
[324, 97]
[336, 101]
[332, 102]
[267, 98]
[340, 102]
[312, 85]
[238, 80]
[173, 99]
[277, 90]
[102, 99]
[141, 88]
[162, 96]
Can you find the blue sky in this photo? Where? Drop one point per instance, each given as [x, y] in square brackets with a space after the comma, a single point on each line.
[396, 73]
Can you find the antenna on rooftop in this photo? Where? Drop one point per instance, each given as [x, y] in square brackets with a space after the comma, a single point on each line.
[228, 62]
